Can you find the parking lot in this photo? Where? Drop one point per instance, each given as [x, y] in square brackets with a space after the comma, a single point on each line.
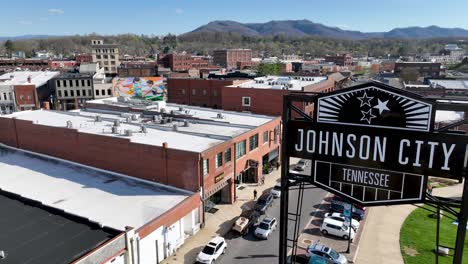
[311, 233]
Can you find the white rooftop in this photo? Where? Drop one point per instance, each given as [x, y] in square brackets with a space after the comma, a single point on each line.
[199, 136]
[38, 78]
[450, 84]
[109, 199]
[295, 83]
[448, 116]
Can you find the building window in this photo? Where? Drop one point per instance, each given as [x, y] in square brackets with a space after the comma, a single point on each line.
[206, 165]
[204, 91]
[58, 83]
[105, 56]
[89, 92]
[97, 92]
[78, 93]
[240, 149]
[106, 68]
[245, 101]
[65, 93]
[84, 92]
[109, 92]
[98, 57]
[215, 93]
[276, 133]
[5, 96]
[72, 93]
[77, 82]
[89, 82]
[60, 93]
[194, 92]
[183, 91]
[265, 137]
[219, 160]
[112, 57]
[253, 142]
[64, 83]
[82, 82]
[70, 82]
[227, 155]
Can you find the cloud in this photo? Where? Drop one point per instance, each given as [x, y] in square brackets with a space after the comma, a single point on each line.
[56, 11]
[343, 26]
[25, 22]
[179, 11]
[43, 18]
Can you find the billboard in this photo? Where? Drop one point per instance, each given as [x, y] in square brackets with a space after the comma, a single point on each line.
[375, 145]
[150, 88]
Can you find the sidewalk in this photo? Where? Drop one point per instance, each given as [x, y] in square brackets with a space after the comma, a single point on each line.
[380, 241]
[221, 222]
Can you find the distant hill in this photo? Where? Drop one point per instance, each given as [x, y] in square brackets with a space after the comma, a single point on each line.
[298, 28]
[25, 37]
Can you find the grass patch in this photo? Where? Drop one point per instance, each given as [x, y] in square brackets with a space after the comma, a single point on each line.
[418, 238]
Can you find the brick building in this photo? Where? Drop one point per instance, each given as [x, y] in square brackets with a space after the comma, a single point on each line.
[83, 58]
[425, 69]
[233, 58]
[28, 89]
[263, 95]
[198, 92]
[340, 59]
[62, 64]
[138, 69]
[195, 149]
[182, 62]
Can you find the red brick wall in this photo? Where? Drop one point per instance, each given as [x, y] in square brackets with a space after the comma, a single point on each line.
[213, 89]
[26, 95]
[7, 132]
[171, 216]
[262, 101]
[172, 167]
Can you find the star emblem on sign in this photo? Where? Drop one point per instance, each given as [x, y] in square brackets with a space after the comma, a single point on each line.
[365, 100]
[367, 116]
[382, 106]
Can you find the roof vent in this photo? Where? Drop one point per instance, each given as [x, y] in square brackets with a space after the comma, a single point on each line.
[220, 116]
[181, 108]
[116, 123]
[163, 110]
[128, 119]
[175, 128]
[69, 124]
[163, 121]
[134, 117]
[186, 123]
[128, 133]
[155, 118]
[97, 118]
[115, 130]
[144, 129]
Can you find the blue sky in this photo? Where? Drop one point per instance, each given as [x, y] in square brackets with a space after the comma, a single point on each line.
[66, 17]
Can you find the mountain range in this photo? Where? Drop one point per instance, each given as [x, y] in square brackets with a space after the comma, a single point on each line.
[301, 28]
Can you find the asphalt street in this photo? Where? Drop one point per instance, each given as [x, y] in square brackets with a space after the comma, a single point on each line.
[249, 249]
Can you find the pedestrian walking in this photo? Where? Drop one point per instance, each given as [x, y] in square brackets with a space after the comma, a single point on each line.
[255, 194]
[429, 188]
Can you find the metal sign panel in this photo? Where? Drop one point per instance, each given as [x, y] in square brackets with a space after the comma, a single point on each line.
[375, 145]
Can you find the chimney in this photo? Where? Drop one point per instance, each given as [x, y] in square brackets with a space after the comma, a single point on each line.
[165, 145]
[29, 79]
[46, 105]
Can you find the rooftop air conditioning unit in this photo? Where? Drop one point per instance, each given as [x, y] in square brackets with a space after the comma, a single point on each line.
[116, 123]
[128, 119]
[174, 127]
[98, 118]
[144, 129]
[181, 108]
[115, 130]
[128, 133]
[134, 117]
[186, 123]
[69, 124]
[155, 118]
[220, 116]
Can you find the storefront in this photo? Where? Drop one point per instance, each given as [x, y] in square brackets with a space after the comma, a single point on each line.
[270, 161]
[220, 193]
[249, 174]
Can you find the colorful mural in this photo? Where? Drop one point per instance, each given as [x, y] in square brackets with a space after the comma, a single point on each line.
[150, 88]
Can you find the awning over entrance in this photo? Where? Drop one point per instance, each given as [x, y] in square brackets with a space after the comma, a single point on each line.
[273, 154]
[251, 164]
[219, 185]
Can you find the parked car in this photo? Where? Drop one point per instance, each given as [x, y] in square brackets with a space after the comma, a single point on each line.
[212, 251]
[338, 206]
[276, 191]
[327, 253]
[336, 228]
[298, 259]
[340, 217]
[266, 227]
[301, 165]
[265, 201]
[341, 199]
[245, 221]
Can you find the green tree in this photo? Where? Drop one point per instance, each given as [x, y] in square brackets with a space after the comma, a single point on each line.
[409, 74]
[9, 46]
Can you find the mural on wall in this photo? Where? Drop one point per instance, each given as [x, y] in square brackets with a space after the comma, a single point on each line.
[149, 88]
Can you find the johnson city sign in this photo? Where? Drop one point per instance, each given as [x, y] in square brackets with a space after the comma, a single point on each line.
[375, 144]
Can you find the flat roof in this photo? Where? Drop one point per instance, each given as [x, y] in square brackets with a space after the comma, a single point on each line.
[36, 234]
[450, 84]
[109, 199]
[38, 78]
[295, 83]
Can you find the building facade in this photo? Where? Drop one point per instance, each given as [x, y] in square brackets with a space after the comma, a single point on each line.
[425, 69]
[144, 69]
[340, 59]
[232, 58]
[107, 55]
[72, 90]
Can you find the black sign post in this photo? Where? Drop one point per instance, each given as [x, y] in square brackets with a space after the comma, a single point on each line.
[373, 145]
